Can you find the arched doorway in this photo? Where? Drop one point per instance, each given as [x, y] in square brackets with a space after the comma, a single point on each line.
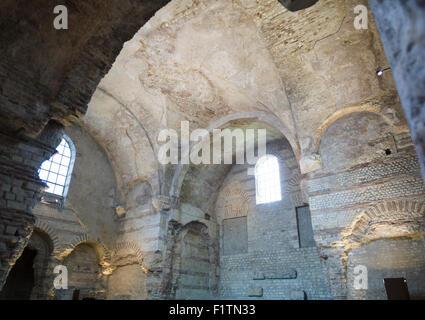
[26, 280]
[20, 281]
[84, 273]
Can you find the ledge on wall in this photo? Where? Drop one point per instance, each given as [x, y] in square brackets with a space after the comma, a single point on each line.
[52, 199]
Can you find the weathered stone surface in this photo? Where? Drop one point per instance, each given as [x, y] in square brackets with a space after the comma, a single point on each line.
[136, 229]
[61, 68]
[19, 160]
[402, 28]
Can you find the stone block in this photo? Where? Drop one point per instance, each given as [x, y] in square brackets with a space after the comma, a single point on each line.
[9, 196]
[255, 292]
[258, 275]
[282, 274]
[5, 187]
[11, 230]
[298, 295]
[64, 294]
[15, 205]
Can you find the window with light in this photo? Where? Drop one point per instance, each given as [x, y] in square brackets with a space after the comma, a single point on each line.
[267, 180]
[56, 172]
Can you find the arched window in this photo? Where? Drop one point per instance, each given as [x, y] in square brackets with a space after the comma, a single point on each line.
[56, 172]
[267, 180]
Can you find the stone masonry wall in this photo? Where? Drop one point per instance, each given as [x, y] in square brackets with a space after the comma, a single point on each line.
[274, 266]
[339, 200]
[402, 29]
[20, 187]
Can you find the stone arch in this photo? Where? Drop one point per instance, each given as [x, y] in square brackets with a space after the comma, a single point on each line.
[373, 234]
[132, 274]
[86, 270]
[101, 250]
[267, 118]
[50, 232]
[345, 112]
[106, 136]
[44, 245]
[232, 200]
[392, 219]
[177, 245]
[125, 252]
[353, 138]
[389, 219]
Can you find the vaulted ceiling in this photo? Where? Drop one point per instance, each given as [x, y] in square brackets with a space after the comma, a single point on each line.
[206, 62]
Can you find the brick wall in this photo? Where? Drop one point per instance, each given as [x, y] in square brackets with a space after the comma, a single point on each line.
[20, 190]
[341, 198]
[274, 267]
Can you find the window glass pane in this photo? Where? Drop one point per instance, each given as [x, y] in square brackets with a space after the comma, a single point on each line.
[63, 170]
[60, 148]
[54, 171]
[61, 180]
[54, 168]
[52, 177]
[58, 190]
[46, 165]
[43, 174]
[65, 161]
[267, 180]
[56, 158]
[67, 152]
[51, 187]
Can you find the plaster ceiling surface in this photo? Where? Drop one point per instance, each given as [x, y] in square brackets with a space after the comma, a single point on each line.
[194, 60]
[204, 61]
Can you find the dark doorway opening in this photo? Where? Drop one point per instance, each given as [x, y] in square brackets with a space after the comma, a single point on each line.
[396, 289]
[305, 227]
[20, 281]
[76, 294]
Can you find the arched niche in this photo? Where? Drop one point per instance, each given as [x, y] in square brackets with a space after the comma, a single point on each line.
[199, 184]
[29, 278]
[356, 138]
[388, 240]
[246, 226]
[249, 120]
[128, 281]
[191, 263]
[84, 271]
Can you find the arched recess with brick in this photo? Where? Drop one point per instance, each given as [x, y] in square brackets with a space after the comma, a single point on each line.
[101, 250]
[387, 240]
[126, 251]
[62, 93]
[128, 263]
[44, 227]
[192, 254]
[390, 118]
[355, 137]
[390, 219]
